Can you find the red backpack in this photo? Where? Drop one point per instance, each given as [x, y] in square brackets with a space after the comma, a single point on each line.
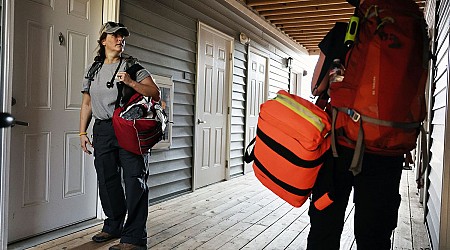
[380, 104]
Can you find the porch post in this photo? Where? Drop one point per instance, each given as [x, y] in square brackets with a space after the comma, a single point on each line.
[111, 10]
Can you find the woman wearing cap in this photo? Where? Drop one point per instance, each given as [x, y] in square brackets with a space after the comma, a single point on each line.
[99, 98]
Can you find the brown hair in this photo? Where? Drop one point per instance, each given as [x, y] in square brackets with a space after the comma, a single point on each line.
[101, 54]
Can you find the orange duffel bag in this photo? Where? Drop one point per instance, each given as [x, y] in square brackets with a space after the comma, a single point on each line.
[290, 147]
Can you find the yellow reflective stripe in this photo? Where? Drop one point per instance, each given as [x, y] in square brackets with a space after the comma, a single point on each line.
[301, 111]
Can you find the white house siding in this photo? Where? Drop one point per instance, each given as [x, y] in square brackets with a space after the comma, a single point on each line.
[278, 74]
[438, 179]
[164, 39]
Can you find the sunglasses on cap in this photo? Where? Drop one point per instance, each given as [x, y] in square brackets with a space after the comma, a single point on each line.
[113, 27]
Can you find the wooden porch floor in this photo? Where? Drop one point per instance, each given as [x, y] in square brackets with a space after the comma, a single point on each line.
[242, 214]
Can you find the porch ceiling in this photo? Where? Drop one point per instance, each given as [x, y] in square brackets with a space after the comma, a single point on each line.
[305, 21]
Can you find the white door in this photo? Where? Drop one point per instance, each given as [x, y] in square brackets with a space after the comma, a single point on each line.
[52, 184]
[213, 81]
[256, 94]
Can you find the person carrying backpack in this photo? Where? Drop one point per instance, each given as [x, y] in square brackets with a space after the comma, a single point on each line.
[100, 91]
[377, 110]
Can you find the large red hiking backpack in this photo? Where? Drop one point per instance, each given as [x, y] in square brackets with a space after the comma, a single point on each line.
[291, 145]
[380, 104]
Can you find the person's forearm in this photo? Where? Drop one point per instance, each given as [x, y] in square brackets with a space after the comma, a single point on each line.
[146, 89]
[85, 117]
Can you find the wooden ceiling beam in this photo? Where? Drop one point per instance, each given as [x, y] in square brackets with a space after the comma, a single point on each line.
[252, 3]
[298, 4]
[321, 31]
[308, 10]
[309, 43]
[311, 23]
[300, 20]
[316, 37]
[315, 16]
[305, 21]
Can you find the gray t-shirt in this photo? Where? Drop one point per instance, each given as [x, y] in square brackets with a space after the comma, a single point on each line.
[103, 99]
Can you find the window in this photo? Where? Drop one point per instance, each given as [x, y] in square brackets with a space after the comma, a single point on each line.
[165, 84]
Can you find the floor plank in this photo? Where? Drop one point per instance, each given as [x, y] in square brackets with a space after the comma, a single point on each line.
[242, 214]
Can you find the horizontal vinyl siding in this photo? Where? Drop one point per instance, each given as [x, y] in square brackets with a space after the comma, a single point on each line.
[165, 43]
[237, 146]
[278, 74]
[438, 128]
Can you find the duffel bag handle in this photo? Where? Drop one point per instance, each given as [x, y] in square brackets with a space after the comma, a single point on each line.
[250, 156]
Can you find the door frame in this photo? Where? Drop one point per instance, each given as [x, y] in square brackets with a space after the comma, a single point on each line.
[110, 12]
[230, 65]
[7, 36]
[254, 50]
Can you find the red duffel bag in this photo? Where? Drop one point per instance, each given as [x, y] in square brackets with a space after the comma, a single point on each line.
[139, 124]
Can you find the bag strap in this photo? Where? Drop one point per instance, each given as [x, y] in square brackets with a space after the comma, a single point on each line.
[132, 71]
[424, 155]
[356, 164]
[119, 86]
[357, 159]
[250, 156]
[95, 67]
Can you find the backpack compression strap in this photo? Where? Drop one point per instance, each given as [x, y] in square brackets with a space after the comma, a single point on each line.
[356, 164]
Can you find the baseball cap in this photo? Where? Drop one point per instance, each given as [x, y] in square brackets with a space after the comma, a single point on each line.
[113, 27]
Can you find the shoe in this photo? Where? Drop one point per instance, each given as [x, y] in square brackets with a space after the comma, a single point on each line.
[407, 167]
[103, 236]
[127, 246]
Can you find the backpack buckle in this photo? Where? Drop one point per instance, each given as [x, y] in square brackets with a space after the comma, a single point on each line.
[355, 116]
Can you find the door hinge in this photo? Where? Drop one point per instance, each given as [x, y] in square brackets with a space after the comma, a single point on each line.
[231, 56]
[227, 164]
[229, 110]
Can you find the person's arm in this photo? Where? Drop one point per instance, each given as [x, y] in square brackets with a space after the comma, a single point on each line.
[323, 85]
[146, 87]
[85, 119]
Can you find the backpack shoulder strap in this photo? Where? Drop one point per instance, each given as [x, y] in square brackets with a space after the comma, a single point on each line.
[95, 67]
[132, 66]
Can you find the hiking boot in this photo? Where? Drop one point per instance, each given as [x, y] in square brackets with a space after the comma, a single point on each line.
[127, 246]
[103, 237]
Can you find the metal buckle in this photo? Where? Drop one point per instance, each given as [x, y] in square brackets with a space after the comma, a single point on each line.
[355, 116]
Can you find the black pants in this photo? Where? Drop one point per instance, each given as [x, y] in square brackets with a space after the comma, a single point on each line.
[110, 159]
[376, 198]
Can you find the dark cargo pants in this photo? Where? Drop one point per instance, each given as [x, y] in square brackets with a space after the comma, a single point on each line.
[110, 161]
[376, 197]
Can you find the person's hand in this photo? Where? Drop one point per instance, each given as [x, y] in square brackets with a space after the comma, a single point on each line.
[124, 77]
[84, 140]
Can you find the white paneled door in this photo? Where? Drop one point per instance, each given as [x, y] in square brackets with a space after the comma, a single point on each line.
[256, 94]
[52, 184]
[214, 63]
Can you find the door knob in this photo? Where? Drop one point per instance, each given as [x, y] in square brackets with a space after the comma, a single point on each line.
[200, 121]
[7, 120]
